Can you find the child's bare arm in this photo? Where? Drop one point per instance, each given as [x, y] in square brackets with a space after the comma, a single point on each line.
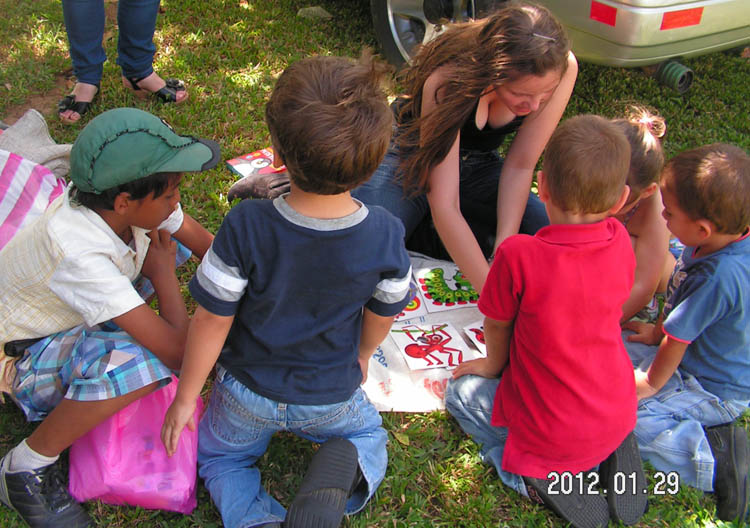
[667, 359]
[374, 330]
[497, 336]
[651, 247]
[206, 338]
[163, 334]
[193, 235]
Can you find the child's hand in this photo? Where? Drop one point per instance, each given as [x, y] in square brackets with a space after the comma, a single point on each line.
[480, 367]
[178, 415]
[642, 387]
[644, 333]
[161, 254]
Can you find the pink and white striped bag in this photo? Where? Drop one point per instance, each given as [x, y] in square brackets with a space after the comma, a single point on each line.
[26, 189]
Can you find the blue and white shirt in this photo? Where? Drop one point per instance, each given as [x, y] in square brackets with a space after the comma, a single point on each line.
[708, 306]
[296, 286]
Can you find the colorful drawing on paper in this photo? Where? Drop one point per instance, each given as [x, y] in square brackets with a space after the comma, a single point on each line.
[416, 306]
[444, 287]
[430, 346]
[475, 331]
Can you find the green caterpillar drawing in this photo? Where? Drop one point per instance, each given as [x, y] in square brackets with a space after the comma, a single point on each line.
[435, 288]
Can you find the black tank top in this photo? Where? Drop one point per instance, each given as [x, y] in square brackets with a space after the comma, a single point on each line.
[488, 138]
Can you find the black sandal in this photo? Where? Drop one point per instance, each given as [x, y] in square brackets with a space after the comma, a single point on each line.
[167, 93]
[69, 102]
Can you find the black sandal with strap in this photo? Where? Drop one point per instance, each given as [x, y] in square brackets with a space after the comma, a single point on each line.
[167, 94]
[69, 102]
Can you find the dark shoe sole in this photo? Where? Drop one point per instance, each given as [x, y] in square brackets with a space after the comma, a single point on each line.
[321, 499]
[731, 459]
[580, 510]
[623, 477]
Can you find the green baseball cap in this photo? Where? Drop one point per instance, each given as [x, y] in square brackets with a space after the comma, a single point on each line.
[126, 144]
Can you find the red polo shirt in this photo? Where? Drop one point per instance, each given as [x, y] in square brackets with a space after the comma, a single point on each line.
[567, 395]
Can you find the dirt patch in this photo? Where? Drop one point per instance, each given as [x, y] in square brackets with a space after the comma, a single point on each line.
[45, 103]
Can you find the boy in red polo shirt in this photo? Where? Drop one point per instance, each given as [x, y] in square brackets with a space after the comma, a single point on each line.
[552, 304]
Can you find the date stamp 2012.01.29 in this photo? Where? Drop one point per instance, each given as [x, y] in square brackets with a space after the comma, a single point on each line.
[588, 483]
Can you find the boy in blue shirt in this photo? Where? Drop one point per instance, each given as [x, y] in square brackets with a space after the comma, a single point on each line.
[697, 382]
[295, 295]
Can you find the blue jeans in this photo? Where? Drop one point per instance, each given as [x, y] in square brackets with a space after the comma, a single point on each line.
[235, 432]
[479, 175]
[670, 424]
[469, 399]
[84, 23]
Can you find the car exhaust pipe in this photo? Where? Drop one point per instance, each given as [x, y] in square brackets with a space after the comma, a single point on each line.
[672, 74]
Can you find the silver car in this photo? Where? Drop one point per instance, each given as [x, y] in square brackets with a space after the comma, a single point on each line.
[610, 32]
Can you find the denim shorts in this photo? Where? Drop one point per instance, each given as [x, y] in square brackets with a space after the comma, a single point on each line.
[235, 432]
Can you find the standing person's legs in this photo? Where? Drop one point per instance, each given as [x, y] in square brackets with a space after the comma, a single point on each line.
[233, 434]
[84, 24]
[135, 43]
[136, 49]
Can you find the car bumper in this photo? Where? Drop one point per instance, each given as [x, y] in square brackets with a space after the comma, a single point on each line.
[643, 32]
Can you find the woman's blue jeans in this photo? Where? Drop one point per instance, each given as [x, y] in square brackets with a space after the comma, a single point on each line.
[237, 427]
[84, 23]
[479, 176]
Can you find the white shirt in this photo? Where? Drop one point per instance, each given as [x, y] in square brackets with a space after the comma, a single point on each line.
[69, 268]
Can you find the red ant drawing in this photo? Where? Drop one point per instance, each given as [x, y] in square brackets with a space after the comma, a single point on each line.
[430, 343]
[479, 333]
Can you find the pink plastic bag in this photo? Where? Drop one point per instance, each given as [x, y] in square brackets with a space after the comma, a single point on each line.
[122, 460]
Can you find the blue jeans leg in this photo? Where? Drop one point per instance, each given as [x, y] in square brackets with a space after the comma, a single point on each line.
[135, 43]
[84, 23]
[235, 432]
[358, 421]
[382, 189]
[469, 399]
[670, 425]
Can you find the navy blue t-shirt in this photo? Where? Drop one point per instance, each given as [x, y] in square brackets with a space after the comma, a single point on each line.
[296, 286]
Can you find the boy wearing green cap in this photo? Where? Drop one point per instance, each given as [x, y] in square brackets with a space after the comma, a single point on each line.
[87, 342]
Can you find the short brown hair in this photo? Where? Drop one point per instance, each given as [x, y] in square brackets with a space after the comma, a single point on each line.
[712, 183]
[586, 164]
[330, 122]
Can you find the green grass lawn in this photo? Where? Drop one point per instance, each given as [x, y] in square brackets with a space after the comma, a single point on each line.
[229, 52]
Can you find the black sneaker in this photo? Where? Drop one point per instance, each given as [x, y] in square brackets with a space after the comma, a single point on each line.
[622, 476]
[41, 498]
[731, 463]
[581, 510]
[332, 476]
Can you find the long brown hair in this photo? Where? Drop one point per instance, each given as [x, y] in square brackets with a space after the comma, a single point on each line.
[517, 40]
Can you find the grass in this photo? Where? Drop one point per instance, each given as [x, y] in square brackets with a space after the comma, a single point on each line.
[229, 52]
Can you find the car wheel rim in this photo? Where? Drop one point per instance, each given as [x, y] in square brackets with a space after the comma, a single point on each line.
[413, 22]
